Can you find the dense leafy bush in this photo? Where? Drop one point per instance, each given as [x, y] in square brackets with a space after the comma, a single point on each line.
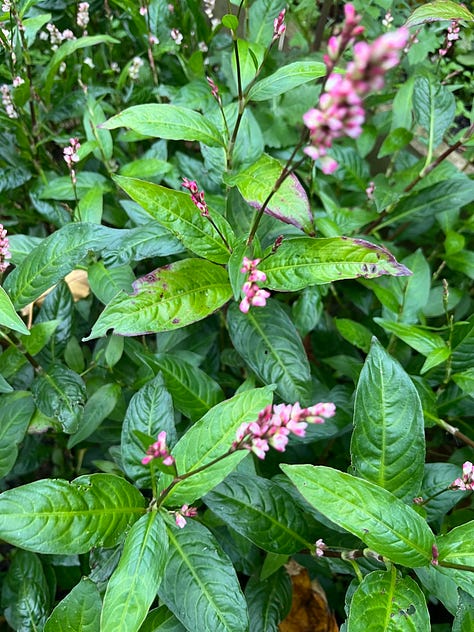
[236, 314]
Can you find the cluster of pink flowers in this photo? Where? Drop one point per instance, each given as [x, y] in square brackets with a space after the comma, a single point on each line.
[7, 102]
[466, 482]
[279, 26]
[451, 36]
[214, 89]
[320, 547]
[159, 450]
[253, 294]
[82, 18]
[180, 519]
[197, 196]
[341, 112]
[71, 156]
[4, 249]
[275, 423]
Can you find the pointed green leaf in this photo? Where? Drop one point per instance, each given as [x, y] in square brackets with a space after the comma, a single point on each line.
[286, 78]
[175, 211]
[26, 595]
[261, 15]
[78, 611]
[193, 391]
[270, 344]
[374, 515]
[261, 511]
[437, 478]
[162, 620]
[107, 282]
[289, 204]
[8, 316]
[384, 601]
[464, 619]
[55, 516]
[133, 585]
[168, 298]
[434, 106]
[67, 49]
[212, 598]
[150, 411]
[173, 122]
[419, 338]
[439, 10]
[16, 410]
[457, 546]
[97, 408]
[51, 261]
[210, 438]
[302, 261]
[388, 442]
[60, 393]
[269, 600]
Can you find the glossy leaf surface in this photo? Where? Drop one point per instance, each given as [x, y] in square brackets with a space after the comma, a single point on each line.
[55, 516]
[78, 611]
[374, 515]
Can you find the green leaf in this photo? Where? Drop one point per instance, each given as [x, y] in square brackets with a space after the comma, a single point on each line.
[143, 242]
[51, 261]
[16, 410]
[133, 585]
[61, 517]
[162, 620]
[8, 316]
[465, 381]
[286, 78]
[212, 599]
[434, 358]
[150, 411]
[13, 177]
[388, 441]
[261, 15]
[269, 343]
[396, 140]
[464, 619]
[436, 198]
[97, 408]
[173, 122]
[93, 117]
[210, 438]
[26, 595]
[60, 393]
[434, 107]
[230, 22]
[251, 57]
[61, 188]
[439, 10]
[78, 611]
[168, 298]
[373, 514]
[289, 204]
[175, 211]
[193, 391]
[443, 584]
[354, 332]
[91, 205]
[261, 511]
[106, 283]
[67, 49]
[438, 477]
[303, 261]
[40, 335]
[419, 338]
[457, 546]
[385, 601]
[269, 600]
[145, 168]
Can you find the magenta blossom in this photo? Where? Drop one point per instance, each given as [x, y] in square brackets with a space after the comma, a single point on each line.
[253, 294]
[279, 26]
[196, 196]
[4, 249]
[275, 423]
[466, 482]
[157, 450]
[180, 519]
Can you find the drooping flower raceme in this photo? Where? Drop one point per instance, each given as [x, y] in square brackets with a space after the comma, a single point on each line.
[279, 26]
[275, 423]
[4, 249]
[253, 293]
[341, 112]
[466, 482]
[159, 450]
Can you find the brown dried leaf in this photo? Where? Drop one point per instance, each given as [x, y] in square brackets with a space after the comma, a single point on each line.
[309, 609]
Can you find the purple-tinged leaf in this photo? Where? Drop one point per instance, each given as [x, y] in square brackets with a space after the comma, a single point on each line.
[289, 204]
[303, 261]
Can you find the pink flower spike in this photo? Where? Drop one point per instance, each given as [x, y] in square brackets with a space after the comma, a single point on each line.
[191, 185]
[320, 547]
[180, 520]
[298, 428]
[259, 447]
[279, 26]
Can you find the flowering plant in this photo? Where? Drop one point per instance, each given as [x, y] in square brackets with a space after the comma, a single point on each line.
[235, 314]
